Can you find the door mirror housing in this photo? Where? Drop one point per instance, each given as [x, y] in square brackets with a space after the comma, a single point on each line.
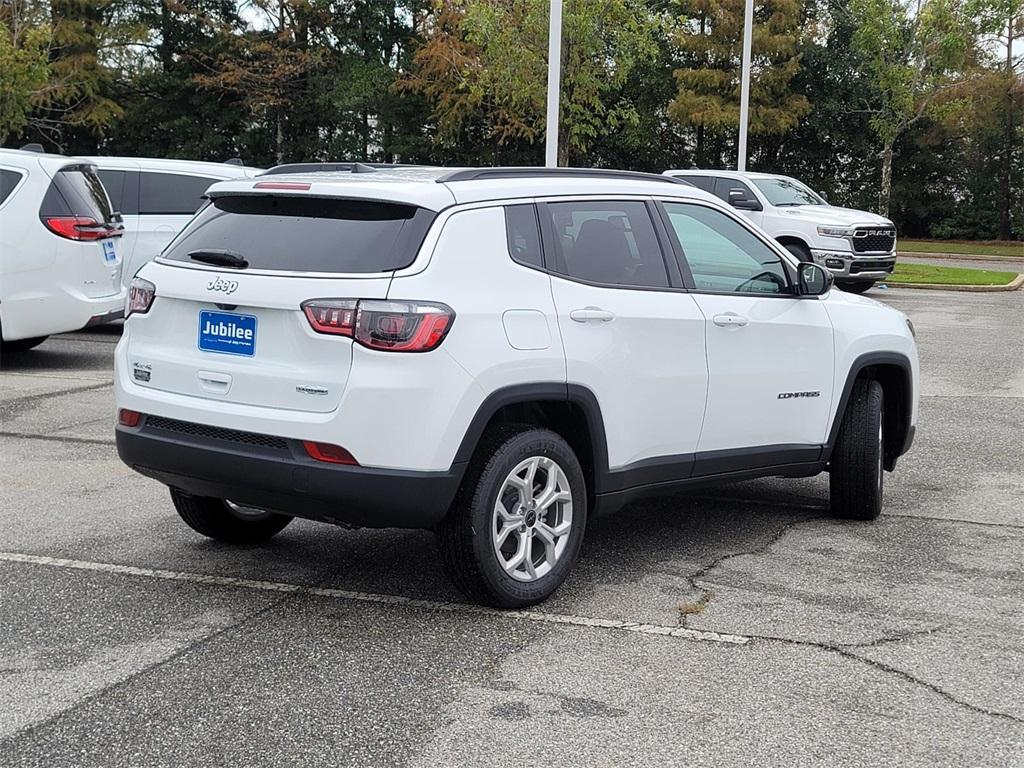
[813, 279]
[738, 199]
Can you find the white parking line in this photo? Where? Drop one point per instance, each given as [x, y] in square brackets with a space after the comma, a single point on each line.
[371, 597]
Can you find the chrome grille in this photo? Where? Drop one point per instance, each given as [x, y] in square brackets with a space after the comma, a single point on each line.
[216, 433]
[874, 239]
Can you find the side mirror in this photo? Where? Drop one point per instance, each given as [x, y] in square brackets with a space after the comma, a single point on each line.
[813, 279]
[738, 199]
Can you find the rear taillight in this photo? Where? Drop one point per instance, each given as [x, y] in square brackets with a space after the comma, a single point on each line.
[140, 296]
[79, 228]
[390, 326]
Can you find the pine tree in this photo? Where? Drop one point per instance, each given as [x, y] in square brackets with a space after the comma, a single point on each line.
[709, 34]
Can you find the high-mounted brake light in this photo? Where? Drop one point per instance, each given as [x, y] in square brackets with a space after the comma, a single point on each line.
[294, 185]
[389, 326]
[82, 228]
[140, 296]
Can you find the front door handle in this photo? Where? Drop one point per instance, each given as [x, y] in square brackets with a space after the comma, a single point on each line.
[588, 314]
[730, 320]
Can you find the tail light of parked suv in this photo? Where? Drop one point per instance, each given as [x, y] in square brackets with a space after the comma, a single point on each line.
[390, 326]
[140, 296]
[80, 228]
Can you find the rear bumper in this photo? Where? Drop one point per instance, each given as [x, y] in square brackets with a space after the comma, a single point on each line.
[278, 475]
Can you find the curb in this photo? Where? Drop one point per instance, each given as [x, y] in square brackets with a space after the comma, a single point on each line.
[1013, 285]
[958, 256]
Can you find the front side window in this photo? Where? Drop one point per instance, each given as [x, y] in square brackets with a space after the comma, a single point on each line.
[723, 255]
[788, 192]
[172, 193]
[607, 242]
[735, 191]
[8, 181]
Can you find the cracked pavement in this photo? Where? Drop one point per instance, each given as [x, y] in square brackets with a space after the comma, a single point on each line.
[893, 643]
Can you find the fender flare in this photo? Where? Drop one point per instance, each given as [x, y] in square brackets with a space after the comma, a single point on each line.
[903, 413]
[515, 394]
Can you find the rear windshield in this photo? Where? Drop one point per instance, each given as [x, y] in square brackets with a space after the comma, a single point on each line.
[306, 234]
[76, 190]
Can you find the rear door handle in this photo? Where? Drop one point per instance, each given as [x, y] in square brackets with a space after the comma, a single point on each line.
[730, 320]
[588, 314]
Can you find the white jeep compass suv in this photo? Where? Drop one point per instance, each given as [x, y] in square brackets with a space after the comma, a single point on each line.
[857, 247]
[496, 354]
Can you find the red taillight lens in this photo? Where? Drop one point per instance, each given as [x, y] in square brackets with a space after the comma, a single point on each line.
[332, 454]
[391, 326]
[335, 316]
[128, 418]
[79, 228]
[402, 326]
[140, 296]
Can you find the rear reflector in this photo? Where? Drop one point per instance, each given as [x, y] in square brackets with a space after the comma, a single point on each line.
[80, 228]
[293, 185]
[127, 418]
[332, 454]
[388, 326]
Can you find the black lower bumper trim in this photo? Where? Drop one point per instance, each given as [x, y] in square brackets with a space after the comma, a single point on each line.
[285, 482]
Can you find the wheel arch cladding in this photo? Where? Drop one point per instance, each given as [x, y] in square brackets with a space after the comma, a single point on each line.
[893, 371]
[570, 410]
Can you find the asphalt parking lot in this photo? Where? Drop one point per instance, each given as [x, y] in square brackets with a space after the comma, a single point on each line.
[735, 626]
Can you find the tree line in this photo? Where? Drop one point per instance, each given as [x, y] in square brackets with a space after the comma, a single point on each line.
[909, 107]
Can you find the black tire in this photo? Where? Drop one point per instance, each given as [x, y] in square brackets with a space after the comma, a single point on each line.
[856, 474]
[856, 287]
[800, 251]
[214, 518]
[465, 536]
[23, 345]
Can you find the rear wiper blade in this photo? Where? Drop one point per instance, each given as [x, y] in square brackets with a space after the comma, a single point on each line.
[219, 257]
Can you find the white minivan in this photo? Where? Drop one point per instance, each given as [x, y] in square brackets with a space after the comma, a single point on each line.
[156, 198]
[60, 248]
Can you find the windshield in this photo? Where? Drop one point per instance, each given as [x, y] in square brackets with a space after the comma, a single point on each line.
[780, 191]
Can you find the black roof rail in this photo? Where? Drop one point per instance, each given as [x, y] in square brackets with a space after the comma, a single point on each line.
[33, 147]
[351, 167]
[526, 172]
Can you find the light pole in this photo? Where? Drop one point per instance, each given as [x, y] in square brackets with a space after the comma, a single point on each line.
[748, 33]
[554, 83]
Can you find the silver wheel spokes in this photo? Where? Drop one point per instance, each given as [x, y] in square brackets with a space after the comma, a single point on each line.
[532, 518]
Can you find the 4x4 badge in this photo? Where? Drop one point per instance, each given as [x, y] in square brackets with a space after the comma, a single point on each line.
[222, 285]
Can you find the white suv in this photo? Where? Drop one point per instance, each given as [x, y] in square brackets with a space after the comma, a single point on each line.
[60, 249]
[857, 247]
[496, 354]
[156, 198]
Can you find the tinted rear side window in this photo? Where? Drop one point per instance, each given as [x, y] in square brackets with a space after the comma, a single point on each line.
[306, 234]
[77, 191]
[171, 193]
[8, 181]
[700, 182]
[523, 235]
[611, 243]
